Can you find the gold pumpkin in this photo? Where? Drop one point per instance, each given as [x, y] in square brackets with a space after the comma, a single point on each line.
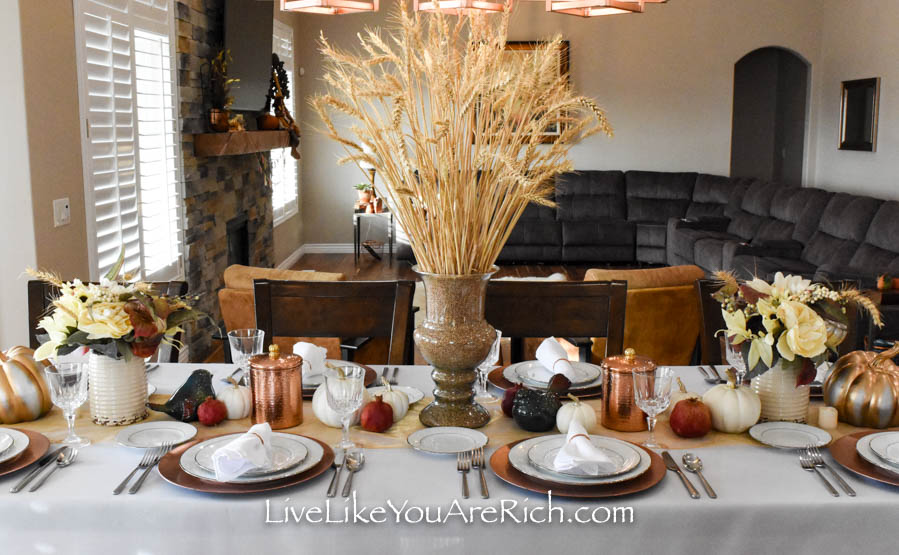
[24, 394]
[864, 388]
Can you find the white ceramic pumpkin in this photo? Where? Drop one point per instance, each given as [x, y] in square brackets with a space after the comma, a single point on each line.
[327, 415]
[575, 410]
[238, 400]
[677, 397]
[24, 394]
[734, 410]
[398, 400]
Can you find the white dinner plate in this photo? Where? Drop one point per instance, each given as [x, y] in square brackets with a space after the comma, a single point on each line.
[414, 394]
[519, 372]
[287, 452]
[886, 446]
[19, 443]
[315, 452]
[446, 440]
[154, 434]
[863, 448]
[624, 455]
[518, 458]
[789, 435]
[312, 381]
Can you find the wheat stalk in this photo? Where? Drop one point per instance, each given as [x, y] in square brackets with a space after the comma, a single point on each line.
[453, 127]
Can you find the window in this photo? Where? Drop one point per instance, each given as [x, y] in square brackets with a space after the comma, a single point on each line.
[285, 168]
[132, 144]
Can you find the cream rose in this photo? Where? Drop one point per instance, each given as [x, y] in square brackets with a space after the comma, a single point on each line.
[106, 320]
[805, 334]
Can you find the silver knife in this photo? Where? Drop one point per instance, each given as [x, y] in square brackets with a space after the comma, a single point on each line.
[671, 465]
[47, 459]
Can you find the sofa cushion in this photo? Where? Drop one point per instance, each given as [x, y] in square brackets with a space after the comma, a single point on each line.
[657, 196]
[651, 255]
[594, 253]
[530, 253]
[597, 233]
[590, 195]
[651, 235]
[841, 228]
[811, 204]
[708, 253]
[782, 215]
[881, 244]
[712, 194]
[535, 232]
[754, 209]
[681, 241]
[746, 267]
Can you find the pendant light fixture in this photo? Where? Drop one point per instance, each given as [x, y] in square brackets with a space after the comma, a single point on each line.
[594, 8]
[457, 6]
[329, 7]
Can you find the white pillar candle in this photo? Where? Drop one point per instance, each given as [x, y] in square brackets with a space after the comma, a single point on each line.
[827, 418]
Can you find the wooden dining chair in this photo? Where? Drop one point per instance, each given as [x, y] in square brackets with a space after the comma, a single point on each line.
[345, 309]
[565, 309]
[41, 295]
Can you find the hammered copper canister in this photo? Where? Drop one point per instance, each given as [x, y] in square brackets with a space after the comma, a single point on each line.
[276, 382]
[619, 408]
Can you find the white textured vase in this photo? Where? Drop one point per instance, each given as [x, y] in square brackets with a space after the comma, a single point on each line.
[118, 390]
[781, 399]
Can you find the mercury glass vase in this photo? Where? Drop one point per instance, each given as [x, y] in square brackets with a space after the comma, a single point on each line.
[454, 338]
[117, 390]
[781, 399]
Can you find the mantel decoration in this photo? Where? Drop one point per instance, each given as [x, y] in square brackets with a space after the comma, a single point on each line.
[783, 331]
[454, 129]
[121, 324]
[219, 89]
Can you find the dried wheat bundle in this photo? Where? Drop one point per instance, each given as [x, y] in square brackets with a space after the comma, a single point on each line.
[453, 127]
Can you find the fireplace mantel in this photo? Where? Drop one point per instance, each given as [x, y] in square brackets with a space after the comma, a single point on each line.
[239, 142]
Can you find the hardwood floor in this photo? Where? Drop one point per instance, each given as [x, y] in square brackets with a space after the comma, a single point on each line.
[370, 269]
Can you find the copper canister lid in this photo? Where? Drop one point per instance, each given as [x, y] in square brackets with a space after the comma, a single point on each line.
[274, 360]
[629, 362]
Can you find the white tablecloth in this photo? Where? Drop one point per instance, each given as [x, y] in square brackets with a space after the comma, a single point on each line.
[766, 504]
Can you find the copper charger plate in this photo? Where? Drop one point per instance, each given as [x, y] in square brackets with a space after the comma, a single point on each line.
[496, 378]
[370, 377]
[501, 466]
[843, 451]
[38, 445]
[170, 470]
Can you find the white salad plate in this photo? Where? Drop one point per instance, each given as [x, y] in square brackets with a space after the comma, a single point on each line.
[197, 460]
[519, 459]
[154, 434]
[864, 450]
[885, 445]
[446, 440]
[414, 394]
[18, 442]
[533, 373]
[624, 455]
[312, 381]
[789, 435]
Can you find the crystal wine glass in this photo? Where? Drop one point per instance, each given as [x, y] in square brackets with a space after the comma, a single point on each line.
[244, 344]
[652, 392]
[68, 390]
[483, 394]
[344, 386]
[734, 357]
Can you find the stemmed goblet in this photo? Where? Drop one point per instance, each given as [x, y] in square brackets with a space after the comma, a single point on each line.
[68, 390]
[344, 386]
[483, 394]
[734, 357]
[244, 344]
[652, 392]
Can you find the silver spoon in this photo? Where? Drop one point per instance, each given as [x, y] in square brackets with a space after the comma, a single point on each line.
[65, 458]
[354, 461]
[693, 464]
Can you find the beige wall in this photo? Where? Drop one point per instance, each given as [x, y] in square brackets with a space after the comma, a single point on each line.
[54, 133]
[859, 40]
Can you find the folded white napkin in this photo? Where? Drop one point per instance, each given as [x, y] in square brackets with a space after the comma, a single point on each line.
[248, 452]
[5, 442]
[553, 357]
[580, 456]
[313, 358]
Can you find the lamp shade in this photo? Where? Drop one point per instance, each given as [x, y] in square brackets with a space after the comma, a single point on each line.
[329, 7]
[594, 8]
[456, 6]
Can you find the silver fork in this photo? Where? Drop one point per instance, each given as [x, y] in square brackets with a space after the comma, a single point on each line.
[808, 465]
[144, 463]
[706, 376]
[463, 465]
[477, 461]
[392, 380]
[716, 375]
[818, 461]
[157, 455]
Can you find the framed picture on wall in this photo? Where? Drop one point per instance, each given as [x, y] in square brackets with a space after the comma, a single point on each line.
[519, 48]
[858, 114]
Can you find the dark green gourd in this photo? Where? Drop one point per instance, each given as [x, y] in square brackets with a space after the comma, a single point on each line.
[535, 411]
[184, 403]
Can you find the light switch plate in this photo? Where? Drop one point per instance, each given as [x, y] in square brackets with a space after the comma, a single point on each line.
[61, 212]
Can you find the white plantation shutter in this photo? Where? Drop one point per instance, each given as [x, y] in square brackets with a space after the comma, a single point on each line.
[131, 145]
[285, 169]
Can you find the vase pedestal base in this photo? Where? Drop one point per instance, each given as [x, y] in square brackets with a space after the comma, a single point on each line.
[444, 414]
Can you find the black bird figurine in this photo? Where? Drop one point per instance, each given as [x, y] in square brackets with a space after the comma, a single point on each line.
[183, 404]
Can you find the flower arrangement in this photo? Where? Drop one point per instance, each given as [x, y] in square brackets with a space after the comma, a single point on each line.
[115, 319]
[792, 320]
[454, 126]
[219, 82]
